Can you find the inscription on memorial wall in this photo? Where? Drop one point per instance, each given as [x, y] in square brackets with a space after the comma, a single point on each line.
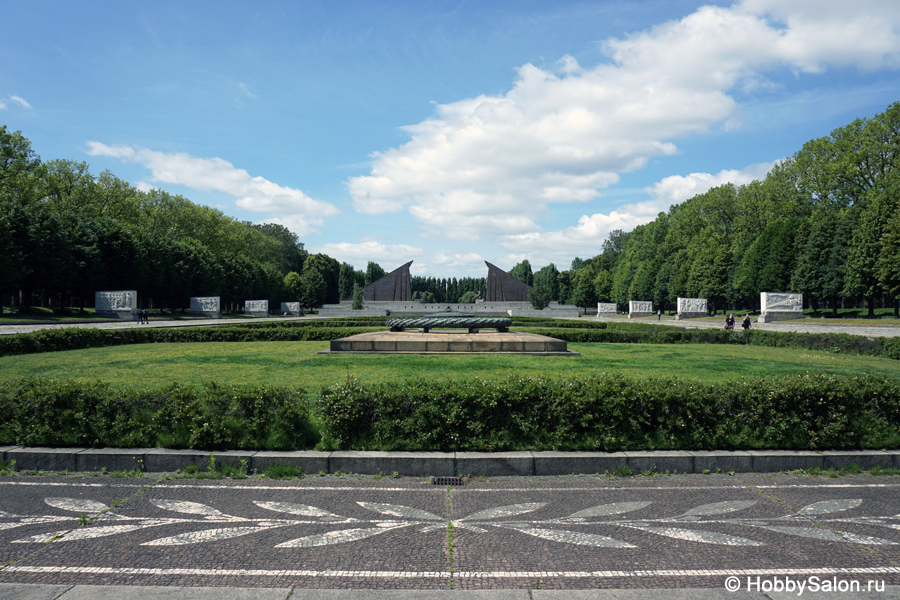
[692, 305]
[606, 307]
[772, 302]
[292, 308]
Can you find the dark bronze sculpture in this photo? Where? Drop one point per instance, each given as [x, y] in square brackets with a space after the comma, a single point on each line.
[449, 319]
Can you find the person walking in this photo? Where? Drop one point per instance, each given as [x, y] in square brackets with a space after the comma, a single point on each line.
[729, 322]
[746, 322]
[659, 314]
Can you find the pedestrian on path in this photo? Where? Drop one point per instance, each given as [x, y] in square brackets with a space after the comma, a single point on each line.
[746, 323]
[729, 322]
[659, 314]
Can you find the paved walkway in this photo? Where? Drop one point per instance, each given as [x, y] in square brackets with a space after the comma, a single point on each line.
[558, 537]
[888, 329]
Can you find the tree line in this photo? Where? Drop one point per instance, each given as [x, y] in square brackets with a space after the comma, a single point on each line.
[824, 222]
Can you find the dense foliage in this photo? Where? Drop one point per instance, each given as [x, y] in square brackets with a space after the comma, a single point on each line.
[607, 412]
[38, 412]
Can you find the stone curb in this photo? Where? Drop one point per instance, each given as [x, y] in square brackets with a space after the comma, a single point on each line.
[448, 464]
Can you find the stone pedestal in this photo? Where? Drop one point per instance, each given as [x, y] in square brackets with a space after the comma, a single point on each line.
[120, 304]
[206, 306]
[691, 308]
[640, 308]
[256, 308]
[606, 309]
[780, 307]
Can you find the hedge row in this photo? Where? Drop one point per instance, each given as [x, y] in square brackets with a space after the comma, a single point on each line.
[607, 412]
[38, 412]
[54, 340]
[826, 342]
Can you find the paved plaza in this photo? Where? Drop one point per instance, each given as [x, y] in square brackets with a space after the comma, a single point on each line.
[503, 535]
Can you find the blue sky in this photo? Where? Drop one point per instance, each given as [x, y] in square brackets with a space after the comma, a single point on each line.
[447, 133]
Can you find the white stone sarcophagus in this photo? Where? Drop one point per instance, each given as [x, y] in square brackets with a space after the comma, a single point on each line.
[606, 308]
[290, 308]
[640, 308]
[206, 306]
[779, 307]
[257, 308]
[691, 308]
[120, 304]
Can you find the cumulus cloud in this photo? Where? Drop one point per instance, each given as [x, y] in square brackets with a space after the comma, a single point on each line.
[586, 238]
[360, 253]
[288, 206]
[493, 165]
[677, 188]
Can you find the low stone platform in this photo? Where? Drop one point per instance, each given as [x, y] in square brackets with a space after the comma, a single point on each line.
[450, 342]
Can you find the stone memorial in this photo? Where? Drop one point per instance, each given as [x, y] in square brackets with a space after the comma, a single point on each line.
[640, 308]
[116, 305]
[503, 287]
[606, 309]
[256, 308]
[290, 308]
[691, 308]
[206, 306]
[396, 286]
[779, 307]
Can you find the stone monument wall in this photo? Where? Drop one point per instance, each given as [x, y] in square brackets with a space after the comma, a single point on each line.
[779, 307]
[606, 308]
[206, 306]
[640, 308]
[691, 308]
[120, 304]
[257, 308]
[290, 308]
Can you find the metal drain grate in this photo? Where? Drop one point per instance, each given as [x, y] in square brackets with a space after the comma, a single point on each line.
[448, 480]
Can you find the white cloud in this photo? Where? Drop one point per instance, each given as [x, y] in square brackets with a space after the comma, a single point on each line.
[15, 100]
[493, 165]
[289, 206]
[586, 238]
[360, 253]
[676, 188]
[247, 91]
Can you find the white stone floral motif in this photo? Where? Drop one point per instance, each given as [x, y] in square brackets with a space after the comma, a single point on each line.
[690, 526]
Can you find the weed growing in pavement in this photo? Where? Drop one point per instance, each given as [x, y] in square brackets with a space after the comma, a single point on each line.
[83, 519]
[884, 471]
[7, 468]
[279, 471]
[136, 473]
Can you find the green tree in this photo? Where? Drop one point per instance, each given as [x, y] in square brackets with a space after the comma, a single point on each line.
[522, 272]
[468, 298]
[374, 272]
[357, 297]
[539, 295]
[313, 288]
[293, 285]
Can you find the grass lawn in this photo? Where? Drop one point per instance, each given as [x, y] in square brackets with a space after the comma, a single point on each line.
[298, 364]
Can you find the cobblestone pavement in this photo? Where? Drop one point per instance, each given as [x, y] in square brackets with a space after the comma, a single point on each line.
[560, 533]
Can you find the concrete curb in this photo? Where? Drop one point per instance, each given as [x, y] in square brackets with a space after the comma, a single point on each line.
[448, 464]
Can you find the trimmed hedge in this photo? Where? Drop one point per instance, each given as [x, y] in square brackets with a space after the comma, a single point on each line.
[608, 412]
[54, 340]
[40, 412]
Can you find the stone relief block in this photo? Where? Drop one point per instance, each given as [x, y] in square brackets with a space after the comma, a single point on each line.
[606, 307]
[772, 302]
[205, 304]
[256, 306]
[291, 308]
[692, 305]
[640, 306]
[125, 300]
